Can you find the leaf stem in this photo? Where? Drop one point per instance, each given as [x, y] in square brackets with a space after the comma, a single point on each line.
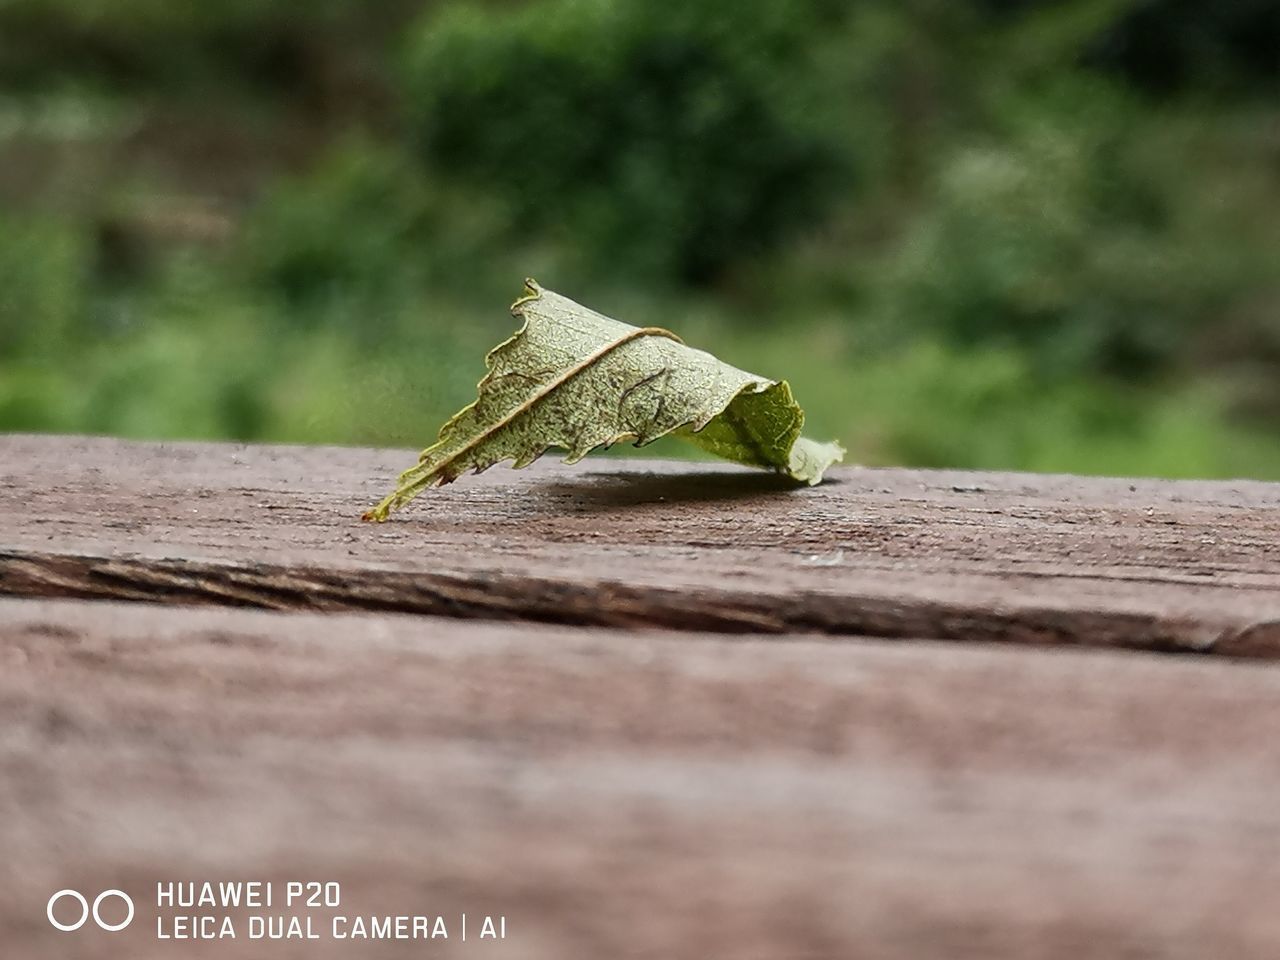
[409, 484]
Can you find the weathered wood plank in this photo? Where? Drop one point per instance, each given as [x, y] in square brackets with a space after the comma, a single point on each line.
[892, 553]
[637, 794]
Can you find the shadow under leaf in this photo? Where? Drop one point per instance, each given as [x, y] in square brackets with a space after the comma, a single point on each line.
[609, 491]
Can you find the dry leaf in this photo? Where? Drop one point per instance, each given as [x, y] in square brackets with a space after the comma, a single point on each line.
[573, 379]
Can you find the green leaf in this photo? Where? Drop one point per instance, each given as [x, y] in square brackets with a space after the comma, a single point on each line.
[574, 379]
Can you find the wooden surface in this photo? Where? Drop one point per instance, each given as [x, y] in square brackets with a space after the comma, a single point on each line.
[891, 553]
[702, 755]
[647, 795]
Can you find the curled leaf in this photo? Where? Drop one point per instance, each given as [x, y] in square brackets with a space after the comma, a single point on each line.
[574, 379]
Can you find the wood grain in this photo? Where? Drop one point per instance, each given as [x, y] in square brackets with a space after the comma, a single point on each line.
[648, 795]
[1184, 566]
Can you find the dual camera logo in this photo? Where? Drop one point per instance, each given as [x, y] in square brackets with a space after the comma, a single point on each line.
[86, 910]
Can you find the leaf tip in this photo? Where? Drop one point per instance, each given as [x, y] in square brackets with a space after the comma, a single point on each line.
[532, 291]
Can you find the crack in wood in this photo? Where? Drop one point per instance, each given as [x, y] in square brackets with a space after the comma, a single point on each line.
[494, 595]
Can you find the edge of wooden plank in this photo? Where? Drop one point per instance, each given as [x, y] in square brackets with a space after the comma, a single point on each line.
[1036, 559]
[499, 596]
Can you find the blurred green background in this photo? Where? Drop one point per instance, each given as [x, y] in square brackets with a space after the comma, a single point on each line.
[988, 233]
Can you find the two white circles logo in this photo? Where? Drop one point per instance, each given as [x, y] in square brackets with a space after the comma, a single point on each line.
[85, 910]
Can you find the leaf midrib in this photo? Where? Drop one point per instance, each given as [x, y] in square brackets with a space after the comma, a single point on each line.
[551, 386]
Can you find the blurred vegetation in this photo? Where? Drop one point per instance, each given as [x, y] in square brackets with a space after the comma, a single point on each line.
[989, 233]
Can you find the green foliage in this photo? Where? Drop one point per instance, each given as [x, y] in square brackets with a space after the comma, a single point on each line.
[666, 138]
[989, 233]
[365, 230]
[42, 264]
[343, 228]
[1080, 244]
